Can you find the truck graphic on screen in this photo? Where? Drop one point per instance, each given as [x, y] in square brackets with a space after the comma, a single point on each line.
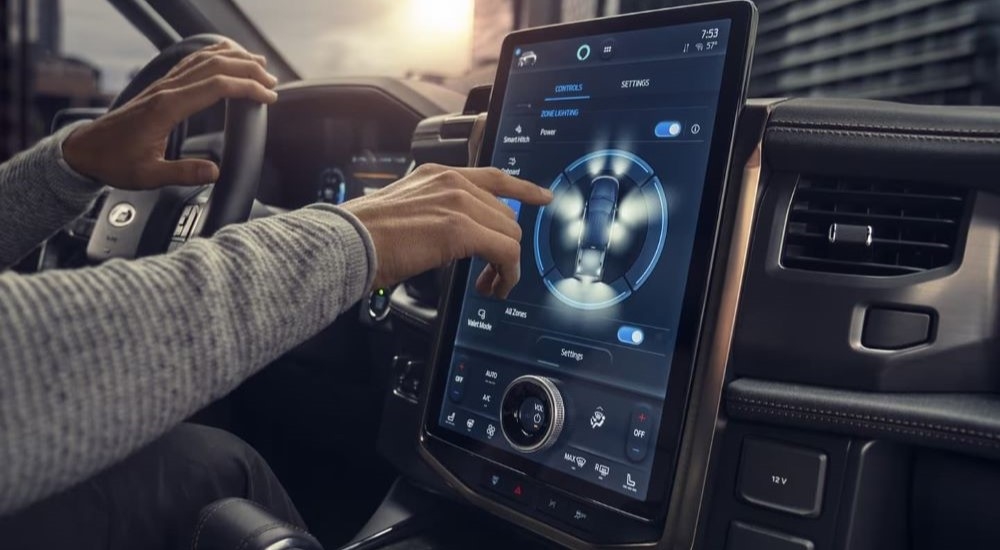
[595, 235]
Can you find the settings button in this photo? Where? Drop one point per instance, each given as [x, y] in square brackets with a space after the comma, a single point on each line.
[563, 353]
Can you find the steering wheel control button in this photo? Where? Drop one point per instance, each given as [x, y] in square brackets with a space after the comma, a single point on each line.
[639, 434]
[182, 222]
[563, 353]
[456, 384]
[121, 214]
[187, 223]
[749, 537]
[782, 477]
[531, 413]
[378, 304]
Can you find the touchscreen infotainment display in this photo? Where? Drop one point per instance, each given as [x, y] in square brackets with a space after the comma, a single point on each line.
[571, 372]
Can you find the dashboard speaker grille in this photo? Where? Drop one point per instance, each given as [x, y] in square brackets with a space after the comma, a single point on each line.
[872, 227]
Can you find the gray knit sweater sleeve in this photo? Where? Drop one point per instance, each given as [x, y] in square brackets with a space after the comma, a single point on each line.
[39, 194]
[97, 362]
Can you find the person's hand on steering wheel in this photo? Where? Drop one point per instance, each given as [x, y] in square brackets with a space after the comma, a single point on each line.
[125, 148]
[433, 216]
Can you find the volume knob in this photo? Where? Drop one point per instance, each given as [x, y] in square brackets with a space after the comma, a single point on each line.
[532, 413]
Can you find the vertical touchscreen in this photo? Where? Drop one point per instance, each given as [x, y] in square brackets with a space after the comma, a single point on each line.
[571, 371]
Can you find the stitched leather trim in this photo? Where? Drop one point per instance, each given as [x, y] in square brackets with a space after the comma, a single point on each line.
[261, 530]
[882, 127]
[868, 418]
[204, 519]
[873, 426]
[886, 135]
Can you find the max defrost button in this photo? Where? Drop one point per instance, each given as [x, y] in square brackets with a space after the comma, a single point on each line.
[561, 353]
[782, 477]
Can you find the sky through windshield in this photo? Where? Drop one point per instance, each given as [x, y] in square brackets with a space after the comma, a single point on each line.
[370, 37]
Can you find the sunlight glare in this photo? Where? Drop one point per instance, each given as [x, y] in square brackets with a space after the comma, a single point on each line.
[452, 17]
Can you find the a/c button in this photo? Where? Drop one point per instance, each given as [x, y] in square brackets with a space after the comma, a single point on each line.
[563, 353]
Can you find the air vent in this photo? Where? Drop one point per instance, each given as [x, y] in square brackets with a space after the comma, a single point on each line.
[879, 228]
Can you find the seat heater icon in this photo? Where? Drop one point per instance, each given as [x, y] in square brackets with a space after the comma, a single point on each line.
[595, 236]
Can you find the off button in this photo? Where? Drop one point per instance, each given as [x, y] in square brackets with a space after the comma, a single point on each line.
[640, 431]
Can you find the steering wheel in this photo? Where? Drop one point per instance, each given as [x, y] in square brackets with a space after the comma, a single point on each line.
[139, 223]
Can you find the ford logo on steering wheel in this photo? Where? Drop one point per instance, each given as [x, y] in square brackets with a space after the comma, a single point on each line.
[121, 214]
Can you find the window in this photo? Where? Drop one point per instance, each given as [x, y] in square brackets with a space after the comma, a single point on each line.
[58, 54]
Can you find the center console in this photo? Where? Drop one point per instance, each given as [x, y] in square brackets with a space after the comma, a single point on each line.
[564, 405]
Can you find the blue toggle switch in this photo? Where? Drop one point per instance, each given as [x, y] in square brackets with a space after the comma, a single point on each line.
[667, 129]
[632, 336]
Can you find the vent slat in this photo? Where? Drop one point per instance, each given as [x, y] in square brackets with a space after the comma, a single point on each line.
[869, 268]
[912, 227]
[865, 194]
[875, 241]
[805, 214]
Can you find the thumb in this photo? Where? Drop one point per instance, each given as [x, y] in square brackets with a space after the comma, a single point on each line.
[183, 172]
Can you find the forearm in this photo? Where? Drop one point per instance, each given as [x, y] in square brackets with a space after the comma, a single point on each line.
[97, 362]
[39, 194]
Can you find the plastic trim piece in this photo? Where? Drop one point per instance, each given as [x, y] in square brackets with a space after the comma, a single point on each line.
[968, 423]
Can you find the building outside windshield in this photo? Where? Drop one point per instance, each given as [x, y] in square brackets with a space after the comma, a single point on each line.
[80, 53]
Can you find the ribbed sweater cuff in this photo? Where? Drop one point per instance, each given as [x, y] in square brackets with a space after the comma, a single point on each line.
[360, 274]
[65, 182]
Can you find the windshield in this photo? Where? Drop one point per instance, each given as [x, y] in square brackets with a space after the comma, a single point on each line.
[425, 38]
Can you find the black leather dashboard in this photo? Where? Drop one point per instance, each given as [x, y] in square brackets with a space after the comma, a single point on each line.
[954, 145]
[968, 423]
[809, 326]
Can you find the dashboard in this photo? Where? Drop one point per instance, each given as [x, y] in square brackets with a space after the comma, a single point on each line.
[838, 388]
[843, 388]
[337, 139]
[847, 357]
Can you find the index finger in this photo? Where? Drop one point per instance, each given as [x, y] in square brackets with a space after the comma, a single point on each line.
[504, 185]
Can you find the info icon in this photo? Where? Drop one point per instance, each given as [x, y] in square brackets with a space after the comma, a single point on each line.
[608, 49]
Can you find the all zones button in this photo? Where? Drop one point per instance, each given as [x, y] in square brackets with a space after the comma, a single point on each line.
[563, 353]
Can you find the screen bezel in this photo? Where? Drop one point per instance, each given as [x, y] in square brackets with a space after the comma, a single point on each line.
[742, 15]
